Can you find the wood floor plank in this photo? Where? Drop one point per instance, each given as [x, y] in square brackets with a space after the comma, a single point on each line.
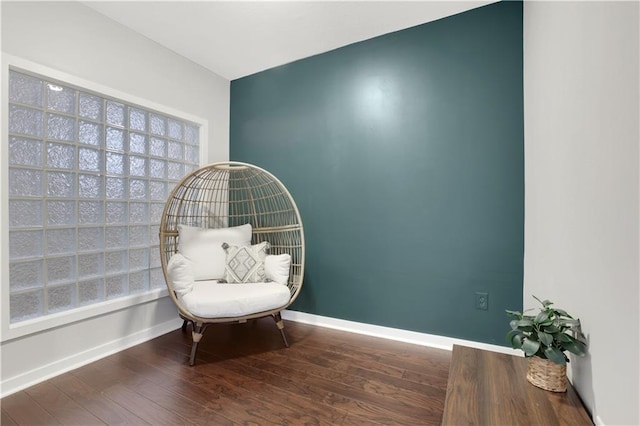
[25, 411]
[183, 401]
[386, 408]
[216, 384]
[199, 395]
[6, 419]
[103, 408]
[433, 378]
[98, 379]
[368, 405]
[143, 407]
[320, 364]
[62, 407]
[258, 389]
[370, 400]
[354, 420]
[358, 378]
[428, 388]
[363, 355]
[410, 362]
[392, 370]
[418, 360]
[245, 375]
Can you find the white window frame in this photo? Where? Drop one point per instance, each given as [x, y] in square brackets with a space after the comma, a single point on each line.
[10, 331]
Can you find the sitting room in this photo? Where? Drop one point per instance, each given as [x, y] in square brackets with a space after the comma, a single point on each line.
[403, 173]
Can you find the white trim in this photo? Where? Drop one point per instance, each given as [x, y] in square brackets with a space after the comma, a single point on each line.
[45, 372]
[4, 198]
[10, 60]
[416, 338]
[598, 421]
[203, 142]
[46, 322]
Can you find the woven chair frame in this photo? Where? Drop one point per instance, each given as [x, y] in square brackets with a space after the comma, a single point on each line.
[227, 194]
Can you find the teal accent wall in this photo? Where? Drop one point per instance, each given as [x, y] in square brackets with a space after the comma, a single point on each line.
[405, 156]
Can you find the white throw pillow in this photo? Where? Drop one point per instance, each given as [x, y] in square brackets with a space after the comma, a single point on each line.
[245, 264]
[276, 267]
[180, 273]
[203, 247]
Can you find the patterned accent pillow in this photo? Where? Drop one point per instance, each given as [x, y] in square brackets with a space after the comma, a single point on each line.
[245, 264]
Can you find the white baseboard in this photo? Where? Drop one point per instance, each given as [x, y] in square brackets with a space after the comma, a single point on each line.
[46, 372]
[423, 339]
[598, 421]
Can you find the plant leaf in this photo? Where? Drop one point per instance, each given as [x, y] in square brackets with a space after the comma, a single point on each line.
[551, 328]
[512, 333]
[513, 324]
[555, 355]
[514, 313]
[562, 337]
[575, 346]
[516, 341]
[530, 347]
[525, 322]
[545, 302]
[545, 338]
[571, 323]
[542, 317]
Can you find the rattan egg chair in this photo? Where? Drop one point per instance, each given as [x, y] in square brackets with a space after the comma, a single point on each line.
[228, 195]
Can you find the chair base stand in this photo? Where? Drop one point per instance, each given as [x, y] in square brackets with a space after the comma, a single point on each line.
[196, 335]
[280, 324]
[199, 328]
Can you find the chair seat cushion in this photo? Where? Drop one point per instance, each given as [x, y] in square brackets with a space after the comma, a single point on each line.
[210, 299]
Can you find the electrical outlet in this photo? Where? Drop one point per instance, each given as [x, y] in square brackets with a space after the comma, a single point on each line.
[482, 301]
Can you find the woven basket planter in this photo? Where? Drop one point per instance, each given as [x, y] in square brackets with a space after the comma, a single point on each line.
[547, 375]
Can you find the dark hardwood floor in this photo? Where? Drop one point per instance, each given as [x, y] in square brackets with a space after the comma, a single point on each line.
[244, 375]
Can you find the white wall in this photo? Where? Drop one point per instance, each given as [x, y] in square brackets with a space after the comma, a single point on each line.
[581, 185]
[74, 39]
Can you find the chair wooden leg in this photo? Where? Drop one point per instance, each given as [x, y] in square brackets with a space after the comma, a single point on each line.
[280, 324]
[184, 326]
[196, 334]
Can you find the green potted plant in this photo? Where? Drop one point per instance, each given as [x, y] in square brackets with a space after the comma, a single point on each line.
[544, 338]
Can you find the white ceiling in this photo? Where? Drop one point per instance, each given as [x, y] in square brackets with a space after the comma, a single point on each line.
[237, 38]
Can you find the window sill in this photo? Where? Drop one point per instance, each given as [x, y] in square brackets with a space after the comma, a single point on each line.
[36, 325]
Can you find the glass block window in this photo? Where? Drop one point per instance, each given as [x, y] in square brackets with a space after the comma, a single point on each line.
[88, 178]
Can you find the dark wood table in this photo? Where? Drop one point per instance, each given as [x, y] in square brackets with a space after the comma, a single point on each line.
[490, 388]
